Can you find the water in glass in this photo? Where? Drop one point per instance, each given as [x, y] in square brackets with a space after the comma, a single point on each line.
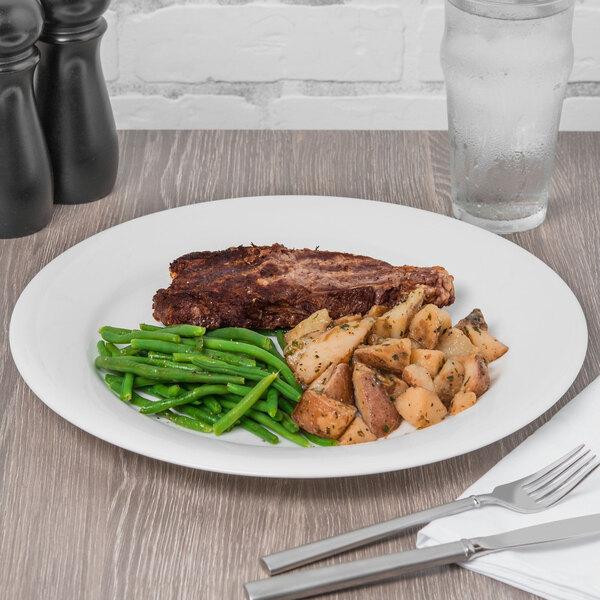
[506, 80]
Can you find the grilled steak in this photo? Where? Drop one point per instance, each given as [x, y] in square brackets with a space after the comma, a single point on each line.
[268, 287]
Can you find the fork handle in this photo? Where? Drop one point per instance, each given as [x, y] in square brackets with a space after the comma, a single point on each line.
[303, 555]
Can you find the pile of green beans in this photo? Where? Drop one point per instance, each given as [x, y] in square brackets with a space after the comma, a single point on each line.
[210, 382]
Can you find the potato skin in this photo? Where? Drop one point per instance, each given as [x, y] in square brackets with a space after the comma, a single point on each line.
[373, 402]
[388, 355]
[336, 383]
[475, 318]
[477, 377]
[323, 416]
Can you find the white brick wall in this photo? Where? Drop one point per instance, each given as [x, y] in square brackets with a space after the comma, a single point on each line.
[300, 64]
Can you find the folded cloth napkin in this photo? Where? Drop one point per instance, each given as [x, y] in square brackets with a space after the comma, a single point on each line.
[559, 570]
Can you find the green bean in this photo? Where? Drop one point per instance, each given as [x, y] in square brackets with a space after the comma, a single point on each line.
[230, 346]
[165, 336]
[272, 402]
[212, 404]
[229, 403]
[258, 430]
[125, 365]
[139, 382]
[188, 341]
[289, 424]
[159, 346]
[115, 335]
[242, 390]
[187, 422]
[186, 330]
[115, 384]
[315, 439]
[161, 362]
[228, 357]
[198, 413]
[127, 387]
[128, 351]
[245, 404]
[286, 406]
[114, 351]
[152, 354]
[279, 333]
[102, 349]
[147, 327]
[115, 330]
[277, 428]
[240, 333]
[163, 391]
[199, 392]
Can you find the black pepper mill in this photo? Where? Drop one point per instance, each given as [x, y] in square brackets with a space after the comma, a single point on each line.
[25, 175]
[73, 101]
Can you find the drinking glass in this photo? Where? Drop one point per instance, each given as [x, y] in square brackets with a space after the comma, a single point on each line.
[506, 64]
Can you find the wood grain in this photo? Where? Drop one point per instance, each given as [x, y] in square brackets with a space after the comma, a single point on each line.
[80, 518]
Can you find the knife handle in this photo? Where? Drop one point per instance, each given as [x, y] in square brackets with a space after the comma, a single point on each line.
[338, 577]
[303, 555]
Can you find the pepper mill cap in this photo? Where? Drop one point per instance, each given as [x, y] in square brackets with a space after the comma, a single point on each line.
[21, 23]
[73, 13]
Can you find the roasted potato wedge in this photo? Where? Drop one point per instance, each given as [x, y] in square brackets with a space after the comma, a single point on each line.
[357, 432]
[477, 377]
[432, 360]
[393, 385]
[395, 322]
[449, 380]
[418, 376]
[318, 321]
[347, 319]
[445, 320]
[376, 310]
[487, 345]
[333, 346]
[293, 352]
[323, 416]
[474, 318]
[420, 407]
[388, 355]
[336, 383]
[373, 402]
[455, 343]
[425, 326]
[462, 401]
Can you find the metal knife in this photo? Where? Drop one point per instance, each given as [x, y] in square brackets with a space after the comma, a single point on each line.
[338, 577]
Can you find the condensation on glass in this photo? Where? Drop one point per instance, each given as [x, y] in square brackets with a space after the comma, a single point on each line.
[506, 65]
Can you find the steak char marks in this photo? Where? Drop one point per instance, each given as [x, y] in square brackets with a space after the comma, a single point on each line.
[269, 287]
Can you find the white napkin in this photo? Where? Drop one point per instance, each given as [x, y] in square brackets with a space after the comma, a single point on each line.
[557, 571]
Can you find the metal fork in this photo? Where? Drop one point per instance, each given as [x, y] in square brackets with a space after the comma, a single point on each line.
[530, 494]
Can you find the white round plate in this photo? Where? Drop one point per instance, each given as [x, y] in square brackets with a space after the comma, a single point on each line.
[110, 279]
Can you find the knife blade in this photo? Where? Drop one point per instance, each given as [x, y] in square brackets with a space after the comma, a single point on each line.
[304, 584]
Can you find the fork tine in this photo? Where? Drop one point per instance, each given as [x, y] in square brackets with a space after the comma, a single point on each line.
[543, 482]
[564, 478]
[570, 485]
[535, 476]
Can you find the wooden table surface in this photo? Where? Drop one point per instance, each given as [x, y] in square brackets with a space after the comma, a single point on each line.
[80, 518]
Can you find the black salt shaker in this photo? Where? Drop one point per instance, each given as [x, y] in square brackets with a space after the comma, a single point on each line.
[73, 101]
[25, 175]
